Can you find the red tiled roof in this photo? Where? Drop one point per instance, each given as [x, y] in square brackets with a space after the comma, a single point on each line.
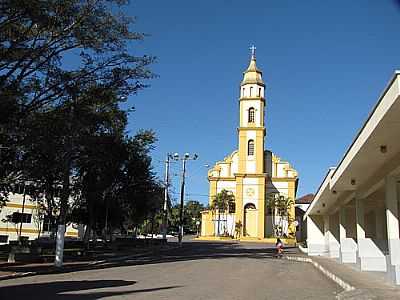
[306, 199]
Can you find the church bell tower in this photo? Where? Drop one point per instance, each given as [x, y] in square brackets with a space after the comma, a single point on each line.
[251, 176]
[251, 129]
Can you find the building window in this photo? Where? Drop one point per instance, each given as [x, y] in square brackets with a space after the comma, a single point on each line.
[47, 225]
[251, 92]
[21, 218]
[259, 92]
[3, 238]
[243, 92]
[250, 147]
[251, 114]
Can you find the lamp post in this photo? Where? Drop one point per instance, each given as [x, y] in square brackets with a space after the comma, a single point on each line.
[184, 158]
[165, 208]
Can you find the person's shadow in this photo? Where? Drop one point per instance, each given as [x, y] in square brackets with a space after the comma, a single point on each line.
[71, 290]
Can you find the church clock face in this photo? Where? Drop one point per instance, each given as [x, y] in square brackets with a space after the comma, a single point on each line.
[250, 192]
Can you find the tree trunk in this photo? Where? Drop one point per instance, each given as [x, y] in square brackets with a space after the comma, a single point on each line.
[91, 222]
[62, 218]
[86, 236]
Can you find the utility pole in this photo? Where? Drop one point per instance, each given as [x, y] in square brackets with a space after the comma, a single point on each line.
[180, 234]
[185, 157]
[165, 208]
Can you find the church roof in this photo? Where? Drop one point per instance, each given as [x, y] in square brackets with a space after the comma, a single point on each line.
[252, 73]
[306, 199]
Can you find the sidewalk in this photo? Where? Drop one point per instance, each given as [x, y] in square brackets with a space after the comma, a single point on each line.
[13, 270]
[367, 285]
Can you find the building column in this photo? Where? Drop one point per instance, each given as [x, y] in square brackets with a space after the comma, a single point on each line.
[212, 193]
[360, 227]
[315, 236]
[342, 224]
[392, 213]
[261, 208]
[369, 256]
[392, 228]
[348, 247]
[333, 246]
[239, 204]
[326, 232]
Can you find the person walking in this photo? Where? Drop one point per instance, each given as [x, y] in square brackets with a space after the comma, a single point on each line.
[279, 248]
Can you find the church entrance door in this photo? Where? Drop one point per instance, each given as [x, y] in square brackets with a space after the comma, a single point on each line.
[250, 220]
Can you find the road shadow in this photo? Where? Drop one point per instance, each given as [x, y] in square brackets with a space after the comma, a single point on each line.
[72, 290]
[190, 250]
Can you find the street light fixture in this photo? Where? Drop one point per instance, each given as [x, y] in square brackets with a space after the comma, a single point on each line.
[184, 158]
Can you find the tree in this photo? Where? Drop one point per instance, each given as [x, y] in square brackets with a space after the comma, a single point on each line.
[36, 36]
[280, 206]
[221, 204]
[192, 215]
[38, 214]
[272, 204]
[37, 84]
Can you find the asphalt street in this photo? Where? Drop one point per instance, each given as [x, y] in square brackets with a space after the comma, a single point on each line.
[198, 270]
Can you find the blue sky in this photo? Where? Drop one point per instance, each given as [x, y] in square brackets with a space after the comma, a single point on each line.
[325, 64]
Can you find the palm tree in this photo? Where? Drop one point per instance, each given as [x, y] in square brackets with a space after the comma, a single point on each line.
[285, 206]
[221, 203]
[280, 205]
[272, 203]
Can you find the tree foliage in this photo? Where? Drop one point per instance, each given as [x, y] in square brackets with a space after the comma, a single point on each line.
[192, 214]
[223, 203]
[65, 69]
[280, 206]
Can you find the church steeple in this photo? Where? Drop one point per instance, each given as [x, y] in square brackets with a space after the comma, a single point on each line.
[251, 129]
[252, 75]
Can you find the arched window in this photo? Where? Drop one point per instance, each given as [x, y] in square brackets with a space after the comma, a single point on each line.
[251, 92]
[259, 92]
[243, 92]
[251, 114]
[250, 147]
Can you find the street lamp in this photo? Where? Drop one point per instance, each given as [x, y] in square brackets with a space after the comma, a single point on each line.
[184, 158]
[165, 206]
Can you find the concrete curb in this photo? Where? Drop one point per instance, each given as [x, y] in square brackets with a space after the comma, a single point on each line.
[92, 263]
[17, 275]
[303, 249]
[339, 281]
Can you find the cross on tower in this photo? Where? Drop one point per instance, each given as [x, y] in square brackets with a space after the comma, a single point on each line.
[253, 52]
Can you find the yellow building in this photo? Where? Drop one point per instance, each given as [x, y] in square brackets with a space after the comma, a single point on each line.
[251, 173]
[34, 224]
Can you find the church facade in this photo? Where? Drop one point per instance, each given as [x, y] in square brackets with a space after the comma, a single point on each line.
[251, 173]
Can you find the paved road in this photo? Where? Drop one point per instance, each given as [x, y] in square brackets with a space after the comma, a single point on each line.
[199, 270]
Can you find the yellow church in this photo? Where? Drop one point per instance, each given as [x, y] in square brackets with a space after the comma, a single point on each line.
[251, 174]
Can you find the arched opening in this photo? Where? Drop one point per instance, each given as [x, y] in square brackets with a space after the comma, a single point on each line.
[250, 220]
[251, 92]
[251, 115]
[250, 206]
[250, 147]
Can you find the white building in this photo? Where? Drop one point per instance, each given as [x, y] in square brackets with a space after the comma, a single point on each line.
[19, 217]
[355, 214]
[301, 205]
